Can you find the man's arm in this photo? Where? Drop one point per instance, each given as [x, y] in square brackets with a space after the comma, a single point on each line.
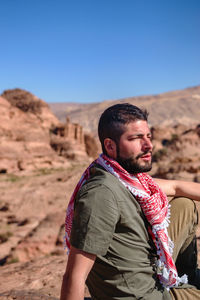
[178, 188]
[78, 267]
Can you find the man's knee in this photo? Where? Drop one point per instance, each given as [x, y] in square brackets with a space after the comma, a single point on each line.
[184, 208]
[183, 223]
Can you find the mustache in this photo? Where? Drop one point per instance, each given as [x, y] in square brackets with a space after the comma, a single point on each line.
[143, 153]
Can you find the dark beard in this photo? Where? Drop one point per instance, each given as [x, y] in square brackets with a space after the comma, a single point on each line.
[132, 166]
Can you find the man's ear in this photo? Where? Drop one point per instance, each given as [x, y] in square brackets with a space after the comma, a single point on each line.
[110, 147]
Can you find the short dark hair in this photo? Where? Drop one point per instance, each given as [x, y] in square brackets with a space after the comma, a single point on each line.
[113, 120]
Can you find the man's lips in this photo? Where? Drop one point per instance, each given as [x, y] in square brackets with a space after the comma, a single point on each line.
[146, 156]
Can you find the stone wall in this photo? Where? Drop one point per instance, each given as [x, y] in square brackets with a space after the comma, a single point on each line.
[74, 131]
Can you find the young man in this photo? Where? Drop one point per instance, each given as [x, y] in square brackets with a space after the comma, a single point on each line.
[120, 241]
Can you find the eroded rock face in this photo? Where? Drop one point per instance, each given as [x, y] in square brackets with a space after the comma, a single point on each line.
[31, 137]
[34, 145]
[176, 152]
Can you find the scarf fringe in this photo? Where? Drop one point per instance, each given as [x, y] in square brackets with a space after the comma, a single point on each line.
[164, 275]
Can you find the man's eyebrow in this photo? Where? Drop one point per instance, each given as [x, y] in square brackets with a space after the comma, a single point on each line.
[139, 134]
[135, 134]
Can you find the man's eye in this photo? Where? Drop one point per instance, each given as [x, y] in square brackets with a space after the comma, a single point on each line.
[134, 138]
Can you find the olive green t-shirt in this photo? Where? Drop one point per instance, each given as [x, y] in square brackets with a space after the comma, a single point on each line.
[108, 222]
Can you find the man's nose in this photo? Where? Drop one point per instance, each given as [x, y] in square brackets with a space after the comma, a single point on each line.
[147, 144]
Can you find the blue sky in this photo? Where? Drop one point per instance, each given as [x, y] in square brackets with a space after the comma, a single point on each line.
[94, 50]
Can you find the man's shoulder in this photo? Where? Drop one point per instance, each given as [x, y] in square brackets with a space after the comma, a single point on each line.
[100, 177]
[101, 182]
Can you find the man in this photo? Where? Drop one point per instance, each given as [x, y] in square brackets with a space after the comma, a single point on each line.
[120, 242]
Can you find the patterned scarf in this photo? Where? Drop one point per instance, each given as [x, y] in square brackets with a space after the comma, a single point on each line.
[154, 204]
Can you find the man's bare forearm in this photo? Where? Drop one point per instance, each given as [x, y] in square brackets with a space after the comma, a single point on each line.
[78, 267]
[177, 188]
[72, 289]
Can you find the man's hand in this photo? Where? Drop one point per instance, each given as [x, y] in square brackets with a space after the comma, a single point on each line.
[78, 267]
[178, 188]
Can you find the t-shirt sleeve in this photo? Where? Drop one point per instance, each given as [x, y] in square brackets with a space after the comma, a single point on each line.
[95, 217]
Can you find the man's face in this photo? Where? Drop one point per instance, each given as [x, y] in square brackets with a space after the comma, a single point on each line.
[134, 150]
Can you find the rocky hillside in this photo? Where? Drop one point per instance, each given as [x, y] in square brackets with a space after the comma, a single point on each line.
[32, 214]
[176, 152]
[167, 109]
[32, 138]
[41, 159]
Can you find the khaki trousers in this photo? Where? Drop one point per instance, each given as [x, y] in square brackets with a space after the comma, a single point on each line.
[182, 228]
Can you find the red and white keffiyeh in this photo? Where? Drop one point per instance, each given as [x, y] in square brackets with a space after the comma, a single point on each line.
[154, 204]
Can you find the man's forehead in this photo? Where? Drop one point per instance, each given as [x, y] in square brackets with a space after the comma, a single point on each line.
[137, 125]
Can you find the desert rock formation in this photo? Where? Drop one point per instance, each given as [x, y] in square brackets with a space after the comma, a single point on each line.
[176, 152]
[31, 137]
[40, 161]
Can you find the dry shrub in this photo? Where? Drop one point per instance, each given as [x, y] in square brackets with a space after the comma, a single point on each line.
[24, 100]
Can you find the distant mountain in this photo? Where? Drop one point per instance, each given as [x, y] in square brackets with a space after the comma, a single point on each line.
[171, 108]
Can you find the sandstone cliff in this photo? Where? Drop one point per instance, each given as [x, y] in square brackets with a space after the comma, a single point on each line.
[31, 137]
[41, 160]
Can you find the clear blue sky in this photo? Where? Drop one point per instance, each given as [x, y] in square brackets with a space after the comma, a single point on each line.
[93, 50]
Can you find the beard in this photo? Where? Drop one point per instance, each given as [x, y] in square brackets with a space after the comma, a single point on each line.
[132, 164]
